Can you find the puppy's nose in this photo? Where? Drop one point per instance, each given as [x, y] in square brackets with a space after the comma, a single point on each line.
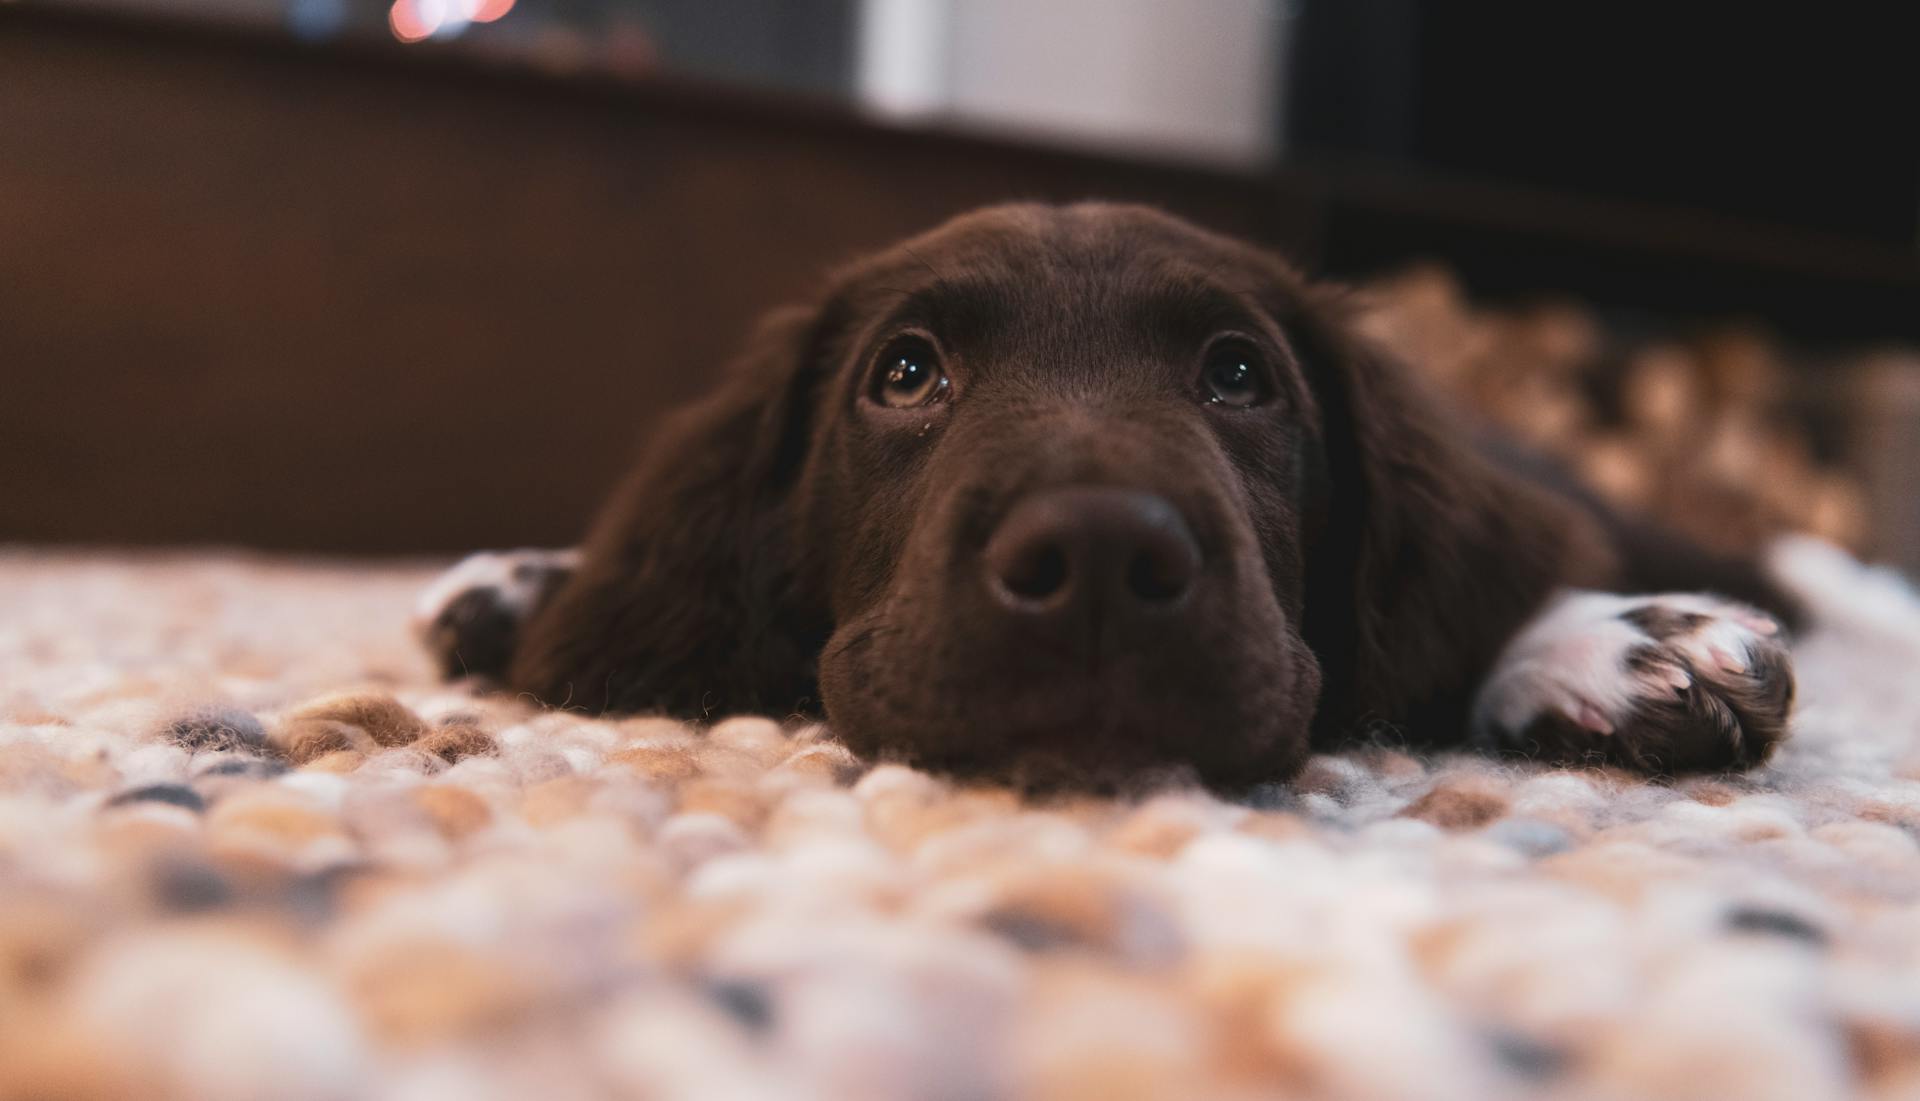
[1086, 548]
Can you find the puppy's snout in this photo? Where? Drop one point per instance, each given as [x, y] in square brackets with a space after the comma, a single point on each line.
[1091, 551]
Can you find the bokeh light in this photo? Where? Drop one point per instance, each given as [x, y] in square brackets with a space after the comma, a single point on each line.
[409, 22]
[418, 20]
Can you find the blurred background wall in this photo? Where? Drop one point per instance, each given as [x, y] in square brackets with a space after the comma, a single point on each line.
[419, 275]
[1146, 77]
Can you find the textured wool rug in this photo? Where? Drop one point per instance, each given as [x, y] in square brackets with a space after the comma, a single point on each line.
[249, 849]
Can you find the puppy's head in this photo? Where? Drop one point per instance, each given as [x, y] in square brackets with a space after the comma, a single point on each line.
[1065, 464]
[1068, 485]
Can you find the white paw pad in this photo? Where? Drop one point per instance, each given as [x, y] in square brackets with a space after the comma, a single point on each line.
[1666, 683]
[469, 618]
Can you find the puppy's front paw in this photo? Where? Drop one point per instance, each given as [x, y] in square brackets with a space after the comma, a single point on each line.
[1662, 684]
[469, 618]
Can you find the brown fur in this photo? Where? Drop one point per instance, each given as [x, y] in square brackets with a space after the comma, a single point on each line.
[787, 544]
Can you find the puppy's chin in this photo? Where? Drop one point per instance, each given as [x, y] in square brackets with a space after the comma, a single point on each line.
[1049, 768]
[1050, 771]
[1247, 722]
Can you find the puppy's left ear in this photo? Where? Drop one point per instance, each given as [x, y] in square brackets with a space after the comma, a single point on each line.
[1431, 554]
[690, 596]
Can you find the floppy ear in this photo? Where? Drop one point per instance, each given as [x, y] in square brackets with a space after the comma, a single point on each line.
[1437, 554]
[690, 596]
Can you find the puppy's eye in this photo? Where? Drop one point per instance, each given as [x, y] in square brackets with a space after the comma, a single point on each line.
[1234, 374]
[908, 374]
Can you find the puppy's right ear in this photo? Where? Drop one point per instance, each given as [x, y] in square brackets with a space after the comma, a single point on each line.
[690, 596]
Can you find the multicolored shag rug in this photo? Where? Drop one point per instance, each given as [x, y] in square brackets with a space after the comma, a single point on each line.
[249, 849]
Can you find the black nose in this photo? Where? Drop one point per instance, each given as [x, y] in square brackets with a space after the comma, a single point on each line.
[1091, 550]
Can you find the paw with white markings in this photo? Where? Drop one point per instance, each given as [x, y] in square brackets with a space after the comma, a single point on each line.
[469, 619]
[1663, 684]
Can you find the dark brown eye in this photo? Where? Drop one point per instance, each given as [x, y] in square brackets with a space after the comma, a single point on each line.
[908, 374]
[1234, 374]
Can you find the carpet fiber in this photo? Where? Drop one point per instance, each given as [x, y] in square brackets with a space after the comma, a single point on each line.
[249, 849]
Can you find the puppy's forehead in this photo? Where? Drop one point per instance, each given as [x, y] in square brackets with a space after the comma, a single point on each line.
[1045, 260]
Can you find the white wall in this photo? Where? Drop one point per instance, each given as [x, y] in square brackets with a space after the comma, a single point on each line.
[1191, 79]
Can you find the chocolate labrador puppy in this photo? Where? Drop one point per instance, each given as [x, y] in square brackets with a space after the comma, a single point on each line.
[1087, 490]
